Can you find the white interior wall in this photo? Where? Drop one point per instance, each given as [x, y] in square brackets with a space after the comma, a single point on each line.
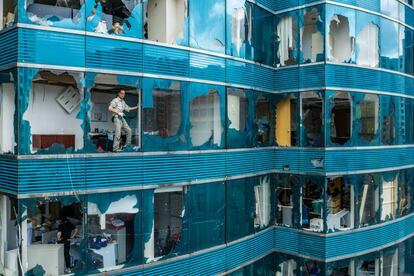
[157, 20]
[175, 19]
[7, 109]
[165, 20]
[205, 120]
[233, 111]
[46, 116]
[340, 40]
[102, 98]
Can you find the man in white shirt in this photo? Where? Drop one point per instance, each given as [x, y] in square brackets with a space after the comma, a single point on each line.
[117, 107]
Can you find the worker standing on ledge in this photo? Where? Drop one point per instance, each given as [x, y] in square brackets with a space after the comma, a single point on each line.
[117, 108]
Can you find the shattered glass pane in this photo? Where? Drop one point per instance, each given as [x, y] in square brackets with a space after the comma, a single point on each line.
[287, 31]
[312, 35]
[114, 114]
[8, 17]
[60, 13]
[264, 37]
[120, 17]
[312, 118]
[240, 28]
[205, 119]
[341, 39]
[313, 204]
[341, 118]
[340, 207]
[57, 95]
[207, 19]
[7, 111]
[368, 201]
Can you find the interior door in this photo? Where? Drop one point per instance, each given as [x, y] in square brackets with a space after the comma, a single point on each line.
[283, 123]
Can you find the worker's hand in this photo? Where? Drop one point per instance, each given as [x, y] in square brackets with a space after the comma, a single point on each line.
[121, 114]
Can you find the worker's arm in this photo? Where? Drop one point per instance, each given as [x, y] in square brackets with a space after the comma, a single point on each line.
[133, 108]
[74, 233]
[59, 236]
[113, 110]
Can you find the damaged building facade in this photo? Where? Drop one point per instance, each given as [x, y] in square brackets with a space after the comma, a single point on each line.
[272, 137]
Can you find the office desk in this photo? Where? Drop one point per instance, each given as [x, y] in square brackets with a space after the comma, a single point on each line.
[108, 254]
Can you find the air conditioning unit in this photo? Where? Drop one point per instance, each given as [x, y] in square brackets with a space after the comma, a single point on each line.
[69, 99]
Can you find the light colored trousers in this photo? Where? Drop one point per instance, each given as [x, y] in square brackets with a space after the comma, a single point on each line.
[121, 124]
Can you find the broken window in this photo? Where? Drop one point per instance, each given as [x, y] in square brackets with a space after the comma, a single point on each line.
[312, 204]
[263, 204]
[341, 268]
[168, 220]
[368, 116]
[340, 204]
[55, 97]
[240, 28]
[8, 236]
[286, 265]
[207, 19]
[368, 201]
[166, 21]
[287, 31]
[367, 40]
[239, 128]
[389, 32]
[341, 34]
[285, 192]
[389, 196]
[162, 120]
[114, 114]
[390, 263]
[7, 111]
[313, 268]
[55, 13]
[370, 266]
[205, 119]
[8, 14]
[118, 17]
[312, 38]
[388, 131]
[249, 205]
[405, 195]
[264, 121]
[341, 118]
[264, 37]
[113, 237]
[312, 118]
[52, 235]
